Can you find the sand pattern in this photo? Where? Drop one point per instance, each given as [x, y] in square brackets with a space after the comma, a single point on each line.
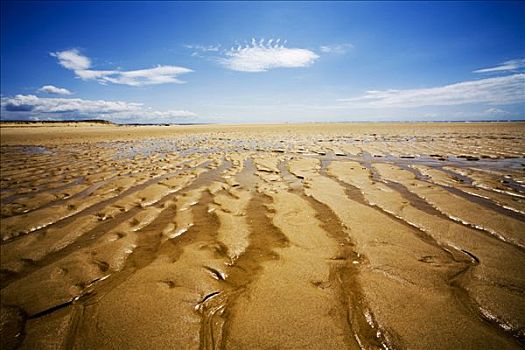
[314, 236]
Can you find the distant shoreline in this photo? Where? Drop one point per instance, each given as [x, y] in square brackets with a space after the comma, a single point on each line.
[101, 122]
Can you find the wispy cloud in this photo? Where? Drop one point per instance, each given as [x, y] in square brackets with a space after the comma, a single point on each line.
[33, 107]
[203, 49]
[165, 116]
[511, 65]
[497, 91]
[141, 77]
[73, 60]
[50, 89]
[495, 112]
[338, 49]
[261, 56]
[487, 113]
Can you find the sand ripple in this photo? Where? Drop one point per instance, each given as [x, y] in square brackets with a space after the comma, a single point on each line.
[359, 236]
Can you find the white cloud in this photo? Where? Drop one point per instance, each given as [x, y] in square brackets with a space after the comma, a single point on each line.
[498, 91]
[34, 104]
[33, 107]
[261, 56]
[510, 65]
[73, 60]
[339, 49]
[50, 89]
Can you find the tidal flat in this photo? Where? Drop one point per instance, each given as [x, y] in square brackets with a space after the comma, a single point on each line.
[310, 236]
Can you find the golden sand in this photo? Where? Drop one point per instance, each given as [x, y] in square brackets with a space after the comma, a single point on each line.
[310, 236]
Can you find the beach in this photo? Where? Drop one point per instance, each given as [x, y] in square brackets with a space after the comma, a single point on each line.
[271, 236]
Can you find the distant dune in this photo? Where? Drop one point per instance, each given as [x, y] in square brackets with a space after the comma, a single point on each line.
[74, 123]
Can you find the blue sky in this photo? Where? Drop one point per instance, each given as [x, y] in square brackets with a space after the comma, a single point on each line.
[263, 62]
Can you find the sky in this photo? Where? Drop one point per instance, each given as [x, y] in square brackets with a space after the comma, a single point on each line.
[262, 62]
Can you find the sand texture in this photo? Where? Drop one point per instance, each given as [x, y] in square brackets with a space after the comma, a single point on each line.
[311, 236]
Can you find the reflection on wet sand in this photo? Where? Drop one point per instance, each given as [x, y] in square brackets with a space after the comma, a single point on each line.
[326, 236]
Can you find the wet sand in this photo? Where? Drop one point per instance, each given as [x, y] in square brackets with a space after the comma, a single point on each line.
[316, 236]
